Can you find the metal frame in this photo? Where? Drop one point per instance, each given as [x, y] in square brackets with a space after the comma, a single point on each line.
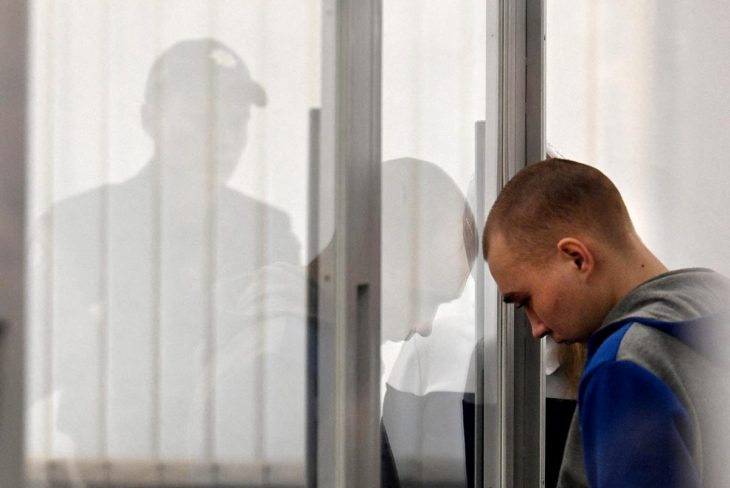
[487, 173]
[13, 32]
[522, 413]
[348, 439]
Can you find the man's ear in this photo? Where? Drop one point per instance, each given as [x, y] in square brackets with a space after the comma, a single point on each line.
[577, 253]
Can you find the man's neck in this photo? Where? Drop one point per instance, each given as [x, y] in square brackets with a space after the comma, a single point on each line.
[641, 266]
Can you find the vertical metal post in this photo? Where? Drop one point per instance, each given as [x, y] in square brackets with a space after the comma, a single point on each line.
[535, 81]
[535, 148]
[348, 451]
[488, 184]
[13, 82]
[480, 312]
[522, 142]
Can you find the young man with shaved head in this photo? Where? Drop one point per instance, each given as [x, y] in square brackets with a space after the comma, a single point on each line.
[560, 244]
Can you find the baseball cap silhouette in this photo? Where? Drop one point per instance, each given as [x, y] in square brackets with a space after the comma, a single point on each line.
[202, 64]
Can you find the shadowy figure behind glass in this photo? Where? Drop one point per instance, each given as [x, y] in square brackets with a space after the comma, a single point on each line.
[145, 273]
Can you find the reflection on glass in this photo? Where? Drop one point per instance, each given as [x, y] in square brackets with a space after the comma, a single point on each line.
[425, 259]
[428, 247]
[166, 343]
[433, 93]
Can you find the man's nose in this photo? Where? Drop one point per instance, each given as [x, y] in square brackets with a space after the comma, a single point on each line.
[539, 329]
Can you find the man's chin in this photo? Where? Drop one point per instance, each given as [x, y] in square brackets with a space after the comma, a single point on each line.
[568, 342]
[423, 329]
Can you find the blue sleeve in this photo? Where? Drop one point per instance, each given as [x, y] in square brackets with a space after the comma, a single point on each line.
[635, 431]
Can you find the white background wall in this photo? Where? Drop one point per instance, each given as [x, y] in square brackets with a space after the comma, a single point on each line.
[639, 89]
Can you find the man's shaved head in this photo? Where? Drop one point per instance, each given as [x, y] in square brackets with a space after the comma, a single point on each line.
[556, 198]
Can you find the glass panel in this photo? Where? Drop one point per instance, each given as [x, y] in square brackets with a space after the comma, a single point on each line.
[639, 90]
[648, 105]
[434, 77]
[168, 221]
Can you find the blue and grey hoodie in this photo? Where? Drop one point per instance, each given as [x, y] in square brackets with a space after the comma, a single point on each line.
[654, 398]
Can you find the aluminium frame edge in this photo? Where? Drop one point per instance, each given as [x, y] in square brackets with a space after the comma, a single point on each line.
[522, 140]
[348, 450]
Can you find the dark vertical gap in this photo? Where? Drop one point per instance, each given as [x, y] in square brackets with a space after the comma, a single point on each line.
[312, 299]
[362, 321]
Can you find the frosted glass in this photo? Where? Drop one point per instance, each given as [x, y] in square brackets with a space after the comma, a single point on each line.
[168, 193]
